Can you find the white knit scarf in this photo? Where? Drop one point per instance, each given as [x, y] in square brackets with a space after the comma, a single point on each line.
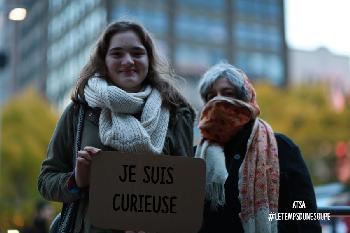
[216, 173]
[118, 126]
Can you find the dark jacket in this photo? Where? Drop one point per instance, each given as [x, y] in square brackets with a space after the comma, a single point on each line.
[295, 185]
[58, 166]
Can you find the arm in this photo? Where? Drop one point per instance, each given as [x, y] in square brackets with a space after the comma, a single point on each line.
[295, 185]
[57, 168]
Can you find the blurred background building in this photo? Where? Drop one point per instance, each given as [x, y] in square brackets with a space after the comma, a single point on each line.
[32, 40]
[55, 40]
[11, 38]
[321, 65]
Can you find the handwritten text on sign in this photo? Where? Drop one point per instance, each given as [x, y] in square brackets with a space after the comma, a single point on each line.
[146, 192]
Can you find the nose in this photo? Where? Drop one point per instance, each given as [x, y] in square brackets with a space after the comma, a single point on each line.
[127, 59]
[219, 94]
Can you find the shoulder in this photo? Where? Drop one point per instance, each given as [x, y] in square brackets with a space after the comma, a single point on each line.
[71, 111]
[69, 108]
[180, 131]
[186, 110]
[287, 149]
[182, 112]
[284, 141]
[289, 154]
[68, 112]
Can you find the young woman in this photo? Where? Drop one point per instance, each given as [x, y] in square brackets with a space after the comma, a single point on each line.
[130, 106]
[251, 171]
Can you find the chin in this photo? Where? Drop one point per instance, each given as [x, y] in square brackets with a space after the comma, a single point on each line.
[131, 88]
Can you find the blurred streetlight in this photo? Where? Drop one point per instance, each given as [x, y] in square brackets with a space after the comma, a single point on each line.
[18, 14]
[12, 231]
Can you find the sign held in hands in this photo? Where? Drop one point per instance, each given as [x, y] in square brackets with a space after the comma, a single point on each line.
[146, 192]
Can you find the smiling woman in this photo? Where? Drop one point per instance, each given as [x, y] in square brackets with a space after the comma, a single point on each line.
[131, 107]
[127, 61]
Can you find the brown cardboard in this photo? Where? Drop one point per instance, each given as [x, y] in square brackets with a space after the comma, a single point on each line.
[180, 188]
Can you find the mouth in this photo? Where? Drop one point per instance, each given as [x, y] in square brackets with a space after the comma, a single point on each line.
[128, 72]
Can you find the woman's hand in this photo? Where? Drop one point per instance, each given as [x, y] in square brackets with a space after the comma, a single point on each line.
[83, 165]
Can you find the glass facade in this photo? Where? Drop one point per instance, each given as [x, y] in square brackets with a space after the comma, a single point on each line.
[73, 28]
[31, 55]
[5, 85]
[266, 10]
[258, 36]
[201, 35]
[191, 59]
[196, 27]
[193, 34]
[153, 14]
[268, 66]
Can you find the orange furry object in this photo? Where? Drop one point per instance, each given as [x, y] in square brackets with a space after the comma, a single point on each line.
[223, 117]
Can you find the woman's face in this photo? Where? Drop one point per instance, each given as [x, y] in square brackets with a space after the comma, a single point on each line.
[221, 87]
[127, 61]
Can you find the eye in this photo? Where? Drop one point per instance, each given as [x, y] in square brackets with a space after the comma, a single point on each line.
[116, 54]
[229, 93]
[210, 95]
[138, 53]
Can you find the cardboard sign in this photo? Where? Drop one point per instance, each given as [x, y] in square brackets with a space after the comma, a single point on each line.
[146, 192]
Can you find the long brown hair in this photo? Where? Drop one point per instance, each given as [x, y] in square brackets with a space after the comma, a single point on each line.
[159, 73]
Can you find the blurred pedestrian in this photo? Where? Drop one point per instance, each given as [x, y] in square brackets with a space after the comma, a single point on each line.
[130, 107]
[251, 171]
[42, 218]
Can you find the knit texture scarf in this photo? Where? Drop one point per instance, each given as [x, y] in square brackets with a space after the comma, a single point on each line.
[258, 181]
[118, 126]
